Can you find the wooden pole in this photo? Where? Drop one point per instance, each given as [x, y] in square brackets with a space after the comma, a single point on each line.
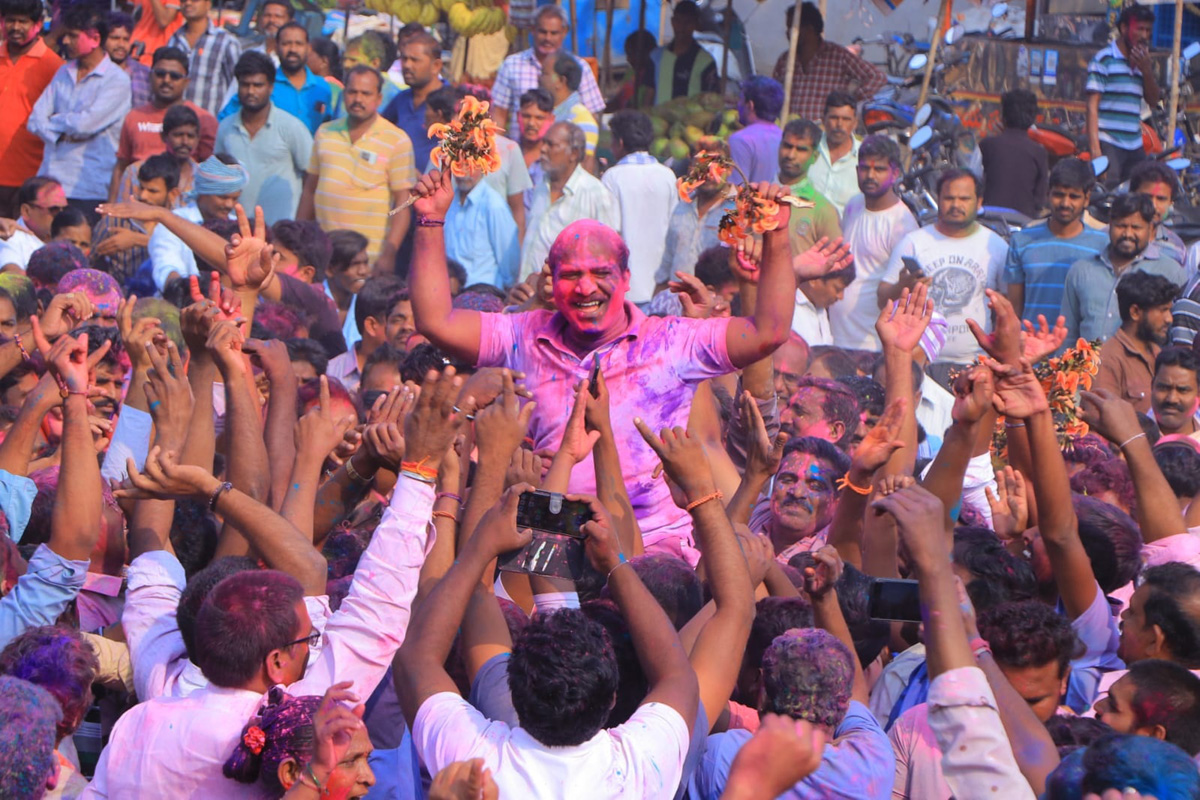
[574, 26]
[790, 72]
[663, 5]
[821, 6]
[606, 60]
[934, 41]
[1173, 77]
[725, 50]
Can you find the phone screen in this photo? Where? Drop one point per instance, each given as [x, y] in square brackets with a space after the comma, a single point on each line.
[894, 599]
[546, 511]
[592, 378]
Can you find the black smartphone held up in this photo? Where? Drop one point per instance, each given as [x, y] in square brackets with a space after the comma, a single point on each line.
[913, 266]
[593, 377]
[556, 550]
[894, 599]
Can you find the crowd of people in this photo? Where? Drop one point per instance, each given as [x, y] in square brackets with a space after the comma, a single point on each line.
[864, 509]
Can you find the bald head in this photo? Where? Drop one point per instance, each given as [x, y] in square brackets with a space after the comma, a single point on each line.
[590, 240]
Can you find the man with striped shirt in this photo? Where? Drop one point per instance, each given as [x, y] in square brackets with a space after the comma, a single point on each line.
[1118, 78]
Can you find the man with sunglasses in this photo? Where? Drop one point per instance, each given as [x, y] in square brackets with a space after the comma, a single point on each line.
[38, 200]
[141, 133]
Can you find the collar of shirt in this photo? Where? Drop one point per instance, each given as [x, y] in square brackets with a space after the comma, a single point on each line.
[562, 111]
[552, 333]
[271, 115]
[103, 68]
[310, 78]
[572, 185]
[640, 157]
[1149, 254]
[823, 152]
[801, 188]
[38, 50]
[341, 127]
[107, 585]
[1133, 351]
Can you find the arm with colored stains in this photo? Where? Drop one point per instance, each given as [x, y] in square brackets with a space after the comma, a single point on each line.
[972, 414]
[454, 331]
[820, 584]
[610, 481]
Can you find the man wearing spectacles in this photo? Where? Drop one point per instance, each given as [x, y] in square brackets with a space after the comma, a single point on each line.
[141, 133]
[38, 199]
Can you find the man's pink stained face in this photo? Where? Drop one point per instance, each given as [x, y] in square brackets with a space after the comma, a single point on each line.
[589, 284]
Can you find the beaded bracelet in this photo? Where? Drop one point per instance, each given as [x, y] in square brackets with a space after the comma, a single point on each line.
[844, 482]
[717, 495]
[429, 222]
[216, 495]
[21, 347]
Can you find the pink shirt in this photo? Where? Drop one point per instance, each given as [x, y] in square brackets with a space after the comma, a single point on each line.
[651, 372]
[176, 746]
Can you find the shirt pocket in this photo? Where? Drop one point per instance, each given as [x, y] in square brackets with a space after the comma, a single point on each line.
[369, 171]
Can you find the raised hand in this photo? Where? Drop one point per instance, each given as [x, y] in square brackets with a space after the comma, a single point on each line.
[137, 335]
[130, 209]
[336, 720]
[577, 440]
[464, 780]
[902, 322]
[683, 458]
[763, 453]
[780, 754]
[501, 426]
[822, 258]
[249, 260]
[225, 302]
[881, 441]
[66, 312]
[272, 356]
[1004, 342]
[435, 421]
[1109, 415]
[67, 359]
[920, 517]
[434, 192]
[225, 345]
[974, 395]
[1019, 393]
[164, 478]
[1042, 340]
[488, 383]
[318, 431]
[602, 545]
[698, 302]
[1009, 505]
[596, 414]
[118, 240]
[759, 553]
[822, 576]
[168, 396]
[497, 531]
[525, 466]
[772, 191]
[746, 259]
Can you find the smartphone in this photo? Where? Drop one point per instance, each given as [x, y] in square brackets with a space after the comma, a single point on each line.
[913, 266]
[894, 599]
[556, 550]
[593, 378]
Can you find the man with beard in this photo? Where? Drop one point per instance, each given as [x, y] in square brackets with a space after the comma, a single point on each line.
[181, 138]
[797, 151]
[27, 66]
[421, 66]
[361, 168]
[650, 365]
[1173, 396]
[1040, 255]
[79, 115]
[1127, 359]
[272, 141]
[1089, 303]
[960, 259]
[118, 46]
[141, 132]
[873, 223]
[295, 88]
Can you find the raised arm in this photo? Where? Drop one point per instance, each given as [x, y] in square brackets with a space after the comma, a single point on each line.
[683, 458]
[16, 451]
[455, 331]
[973, 395]
[820, 584]
[763, 455]
[610, 481]
[900, 326]
[278, 431]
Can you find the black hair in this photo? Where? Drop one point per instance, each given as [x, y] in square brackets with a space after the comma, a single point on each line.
[1029, 633]
[254, 62]
[419, 360]
[1070, 173]
[954, 174]
[86, 16]
[363, 69]
[291, 25]
[1133, 12]
[1130, 203]
[444, 100]
[386, 353]
[1168, 694]
[459, 273]
[1173, 589]
[1144, 290]
[687, 8]
[69, 217]
[177, 116]
[377, 298]
[997, 575]
[22, 8]
[291, 12]
[309, 350]
[344, 245]
[1180, 465]
[193, 536]
[804, 129]
[765, 95]
[673, 584]
[867, 391]
[810, 17]
[1154, 171]
[31, 188]
[1070, 733]
[839, 99]
[169, 53]
[1126, 762]
[1018, 109]
[837, 361]
[633, 129]
[562, 676]
[566, 67]
[1180, 357]
[539, 97]
[119, 19]
[878, 146]
[773, 617]
[243, 619]
[327, 49]
[160, 165]
[197, 588]
[838, 405]
[712, 266]
[307, 241]
[818, 448]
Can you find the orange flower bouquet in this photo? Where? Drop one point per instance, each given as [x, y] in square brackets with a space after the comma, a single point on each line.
[466, 144]
[752, 212]
[1062, 379]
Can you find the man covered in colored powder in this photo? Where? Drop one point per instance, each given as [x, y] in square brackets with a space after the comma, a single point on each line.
[651, 365]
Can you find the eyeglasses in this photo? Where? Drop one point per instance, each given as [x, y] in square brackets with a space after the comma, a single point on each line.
[313, 640]
[159, 72]
[51, 209]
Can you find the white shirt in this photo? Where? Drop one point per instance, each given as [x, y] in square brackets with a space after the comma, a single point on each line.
[961, 269]
[19, 247]
[811, 323]
[175, 747]
[837, 180]
[935, 412]
[583, 197]
[646, 196]
[871, 235]
[167, 251]
[642, 758]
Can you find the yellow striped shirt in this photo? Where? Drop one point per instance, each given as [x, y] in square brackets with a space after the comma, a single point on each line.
[356, 180]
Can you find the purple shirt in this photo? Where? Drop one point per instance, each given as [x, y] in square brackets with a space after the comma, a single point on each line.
[755, 149]
[651, 372]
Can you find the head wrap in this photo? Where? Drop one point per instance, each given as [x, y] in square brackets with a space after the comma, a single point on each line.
[214, 176]
[934, 338]
[99, 286]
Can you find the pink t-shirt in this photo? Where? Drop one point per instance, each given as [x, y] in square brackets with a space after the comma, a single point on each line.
[651, 372]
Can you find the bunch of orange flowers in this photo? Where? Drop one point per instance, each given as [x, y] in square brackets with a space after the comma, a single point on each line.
[468, 142]
[752, 213]
[1062, 380]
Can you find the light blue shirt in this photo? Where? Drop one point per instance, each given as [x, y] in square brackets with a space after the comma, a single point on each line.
[169, 254]
[858, 763]
[688, 236]
[1090, 292]
[275, 157]
[41, 595]
[349, 327]
[89, 110]
[311, 103]
[481, 235]
[16, 501]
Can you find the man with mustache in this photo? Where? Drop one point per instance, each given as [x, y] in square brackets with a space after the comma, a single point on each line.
[1089, 304]
[1173, 396]
[1127, 359]
[873, 224]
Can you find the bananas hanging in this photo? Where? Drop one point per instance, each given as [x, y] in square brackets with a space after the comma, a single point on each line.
[467, 17]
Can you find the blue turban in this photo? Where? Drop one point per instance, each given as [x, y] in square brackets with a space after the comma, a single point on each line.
[214, 176]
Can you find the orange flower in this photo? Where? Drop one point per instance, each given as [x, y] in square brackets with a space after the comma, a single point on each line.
[471, 105]
[686, 187]
[435, 155]
[438, 130]
[1076, 427]
[1085, 380]
[1083, 346]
